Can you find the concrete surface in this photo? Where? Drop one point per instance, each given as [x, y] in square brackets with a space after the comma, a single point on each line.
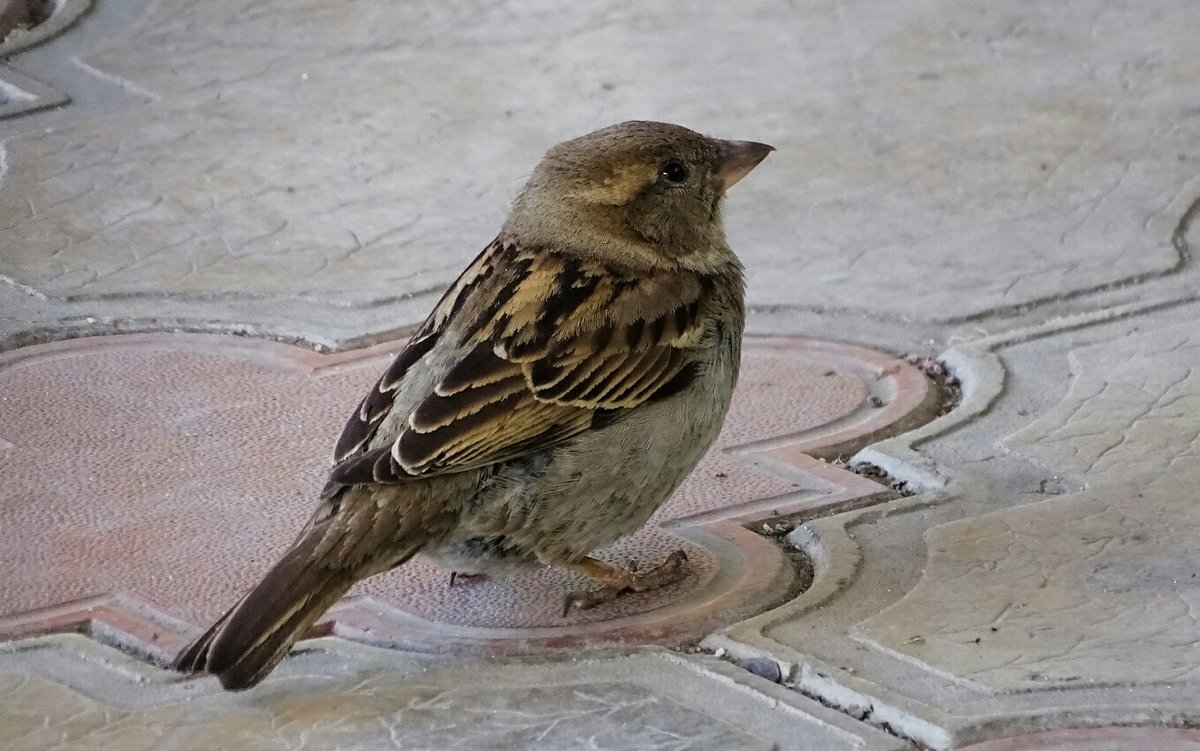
[67, 692]
[1048, 581]
[939, 162]
[1008, 187]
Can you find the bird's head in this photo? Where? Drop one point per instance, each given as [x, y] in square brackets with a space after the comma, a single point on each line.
[649, 185]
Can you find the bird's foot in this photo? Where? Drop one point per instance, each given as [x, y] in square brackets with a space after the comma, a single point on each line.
[615, 581]
[458, 576]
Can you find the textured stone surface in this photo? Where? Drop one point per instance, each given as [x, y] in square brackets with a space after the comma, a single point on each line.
[157, 477]
[1097, 739]
[1132, 411]
[67, 693]
[21, 94]
[357, 163]
[1052, 579]
[1012, 185]
[1095, 589]
[1101, 587]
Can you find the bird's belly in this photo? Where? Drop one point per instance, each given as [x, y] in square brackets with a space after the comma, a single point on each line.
[595, 488]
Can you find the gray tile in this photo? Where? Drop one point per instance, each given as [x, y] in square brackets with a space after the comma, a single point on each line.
[67, 692]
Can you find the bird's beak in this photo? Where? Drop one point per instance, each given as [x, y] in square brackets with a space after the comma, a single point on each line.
[735, 159]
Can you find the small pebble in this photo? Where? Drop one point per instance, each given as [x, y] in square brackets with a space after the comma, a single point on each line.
[763, 667]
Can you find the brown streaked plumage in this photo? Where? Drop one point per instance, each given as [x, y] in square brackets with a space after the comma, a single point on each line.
[555, 397]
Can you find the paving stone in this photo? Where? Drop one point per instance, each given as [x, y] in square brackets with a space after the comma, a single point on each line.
[1097, 587]
[1050, 581]
[21, 94]
[1132, 411]
[150, 480]
[1097, 739]
[70, 693]
[351, 167]
[1016, 183]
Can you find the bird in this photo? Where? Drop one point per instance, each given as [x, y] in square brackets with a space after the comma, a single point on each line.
[555, 397]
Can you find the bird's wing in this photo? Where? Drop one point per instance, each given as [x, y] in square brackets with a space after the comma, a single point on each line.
[546, 346]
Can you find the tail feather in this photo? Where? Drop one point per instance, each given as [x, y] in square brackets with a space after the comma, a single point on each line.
[254, 636]
[350, 538]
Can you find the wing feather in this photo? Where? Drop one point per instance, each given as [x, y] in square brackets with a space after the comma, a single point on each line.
[548, 345]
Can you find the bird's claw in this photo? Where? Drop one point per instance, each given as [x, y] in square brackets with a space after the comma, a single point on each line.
[457, 576]
[591, 598]
[669, 571]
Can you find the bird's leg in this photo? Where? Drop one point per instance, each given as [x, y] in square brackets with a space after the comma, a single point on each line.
[614, 580]
[456, 576]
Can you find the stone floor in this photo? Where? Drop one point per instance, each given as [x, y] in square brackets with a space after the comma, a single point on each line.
[253, 201]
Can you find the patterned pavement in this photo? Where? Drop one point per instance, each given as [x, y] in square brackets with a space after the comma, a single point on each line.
[211, 213]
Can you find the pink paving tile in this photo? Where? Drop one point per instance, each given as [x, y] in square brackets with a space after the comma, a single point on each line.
[1097, 739]
[150, 479]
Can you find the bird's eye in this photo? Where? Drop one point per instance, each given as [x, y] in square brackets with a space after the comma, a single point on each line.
[675, 171]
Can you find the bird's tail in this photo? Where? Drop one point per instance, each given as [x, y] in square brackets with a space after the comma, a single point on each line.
[251, 639]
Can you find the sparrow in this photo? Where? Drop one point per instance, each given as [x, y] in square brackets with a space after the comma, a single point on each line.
[559, 392]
